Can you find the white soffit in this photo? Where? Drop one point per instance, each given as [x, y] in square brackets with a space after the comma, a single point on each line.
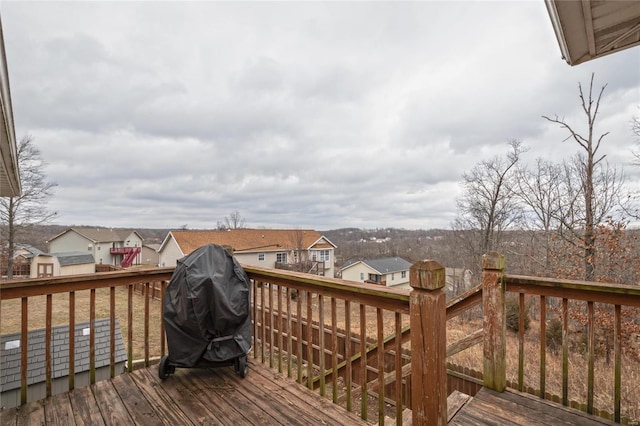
[589, 29]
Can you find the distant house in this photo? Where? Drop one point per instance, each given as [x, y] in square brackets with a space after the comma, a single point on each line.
[297, 249]
[58, 264]
[10, 359]
[388, 271]
[108, 246]
[150, 255]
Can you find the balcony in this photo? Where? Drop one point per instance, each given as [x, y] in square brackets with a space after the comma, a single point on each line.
[353, 345]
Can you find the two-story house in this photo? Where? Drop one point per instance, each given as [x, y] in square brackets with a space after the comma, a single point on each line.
[388, 271]
[108, 246]
[304, 250]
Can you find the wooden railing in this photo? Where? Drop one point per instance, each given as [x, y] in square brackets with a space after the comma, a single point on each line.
[42, 292]
[352, 342]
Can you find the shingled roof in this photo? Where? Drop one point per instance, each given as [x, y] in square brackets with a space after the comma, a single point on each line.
[10, 356]
[248, 240]
[100, 235]
[385, 265]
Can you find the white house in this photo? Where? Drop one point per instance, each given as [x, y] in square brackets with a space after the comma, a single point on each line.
[388, 271]
[108, 246]
[300, 249]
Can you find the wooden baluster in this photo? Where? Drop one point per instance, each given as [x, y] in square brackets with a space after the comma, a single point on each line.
[271, 327]
[428, 343]
[347, 352]
[309, 341]
[146, 324]
[543, 345]
[494, 323]
[398, 367]
[299, 359]
[24, 350]
[381, 396]
[255, 319]
[112, 332]
[321, 347]
[591, 353]
[334, 350]
[565, 352]
[617, 368]
[92, 336]
[47, 343]
[289, 334]
[279, 328]
[364, 395]
[130, 328]
[521, 343]
[72, 339]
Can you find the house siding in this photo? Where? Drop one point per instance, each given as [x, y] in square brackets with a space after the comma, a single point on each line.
[170, 253]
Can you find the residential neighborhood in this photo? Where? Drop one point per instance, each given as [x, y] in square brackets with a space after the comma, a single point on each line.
[305, 250]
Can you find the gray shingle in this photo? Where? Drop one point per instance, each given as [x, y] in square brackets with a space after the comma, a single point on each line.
[10, 359]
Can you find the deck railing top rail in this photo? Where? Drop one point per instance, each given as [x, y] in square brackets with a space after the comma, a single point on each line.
[372, 295]
[617, 294]
[16, 289]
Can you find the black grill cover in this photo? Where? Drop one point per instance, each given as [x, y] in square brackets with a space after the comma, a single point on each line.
[207, 308]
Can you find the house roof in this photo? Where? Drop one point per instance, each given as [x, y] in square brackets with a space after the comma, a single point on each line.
[385, 265]
[589, 29]
[68, 258]
[9, 172]
[10, 359]
[250, 240]
[100, 235]
[26, 251]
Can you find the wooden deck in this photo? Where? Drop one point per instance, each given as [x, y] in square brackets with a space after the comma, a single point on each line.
[264, 397]
[514, 408]
[189, 397]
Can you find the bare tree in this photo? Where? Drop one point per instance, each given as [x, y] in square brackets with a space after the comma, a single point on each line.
[490, 204]
[593, 186]
[541, 192]
[233, 221]
[29, 208]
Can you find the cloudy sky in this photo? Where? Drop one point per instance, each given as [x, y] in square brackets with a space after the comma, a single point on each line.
[297, 114]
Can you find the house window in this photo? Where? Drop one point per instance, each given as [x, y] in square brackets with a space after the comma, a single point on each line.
[404, 274]
[321, 255]
[261, 257]
[361, 276]
[281, 257]
[393, 277]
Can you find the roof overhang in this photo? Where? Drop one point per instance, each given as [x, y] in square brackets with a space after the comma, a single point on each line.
[9, 174]
[590, 29]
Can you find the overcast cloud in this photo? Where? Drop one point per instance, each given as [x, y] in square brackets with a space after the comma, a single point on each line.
[300, 114]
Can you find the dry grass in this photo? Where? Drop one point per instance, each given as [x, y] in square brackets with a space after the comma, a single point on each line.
[603, 372]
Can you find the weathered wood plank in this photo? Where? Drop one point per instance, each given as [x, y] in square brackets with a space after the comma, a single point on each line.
[222, 397]
[8, 416]
[188, 402]
[168, 411]
[85, 409]
[31, 414]
[455, 401]
[138, 407]
[111, 407]
[284, 389]
[57, 410]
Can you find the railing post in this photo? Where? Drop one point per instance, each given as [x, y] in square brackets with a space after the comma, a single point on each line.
[494, 322]
[428, 343]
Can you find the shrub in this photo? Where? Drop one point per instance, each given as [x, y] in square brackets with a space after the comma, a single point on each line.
[512, 309]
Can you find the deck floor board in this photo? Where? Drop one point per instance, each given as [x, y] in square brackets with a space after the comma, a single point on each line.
[488, 407]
